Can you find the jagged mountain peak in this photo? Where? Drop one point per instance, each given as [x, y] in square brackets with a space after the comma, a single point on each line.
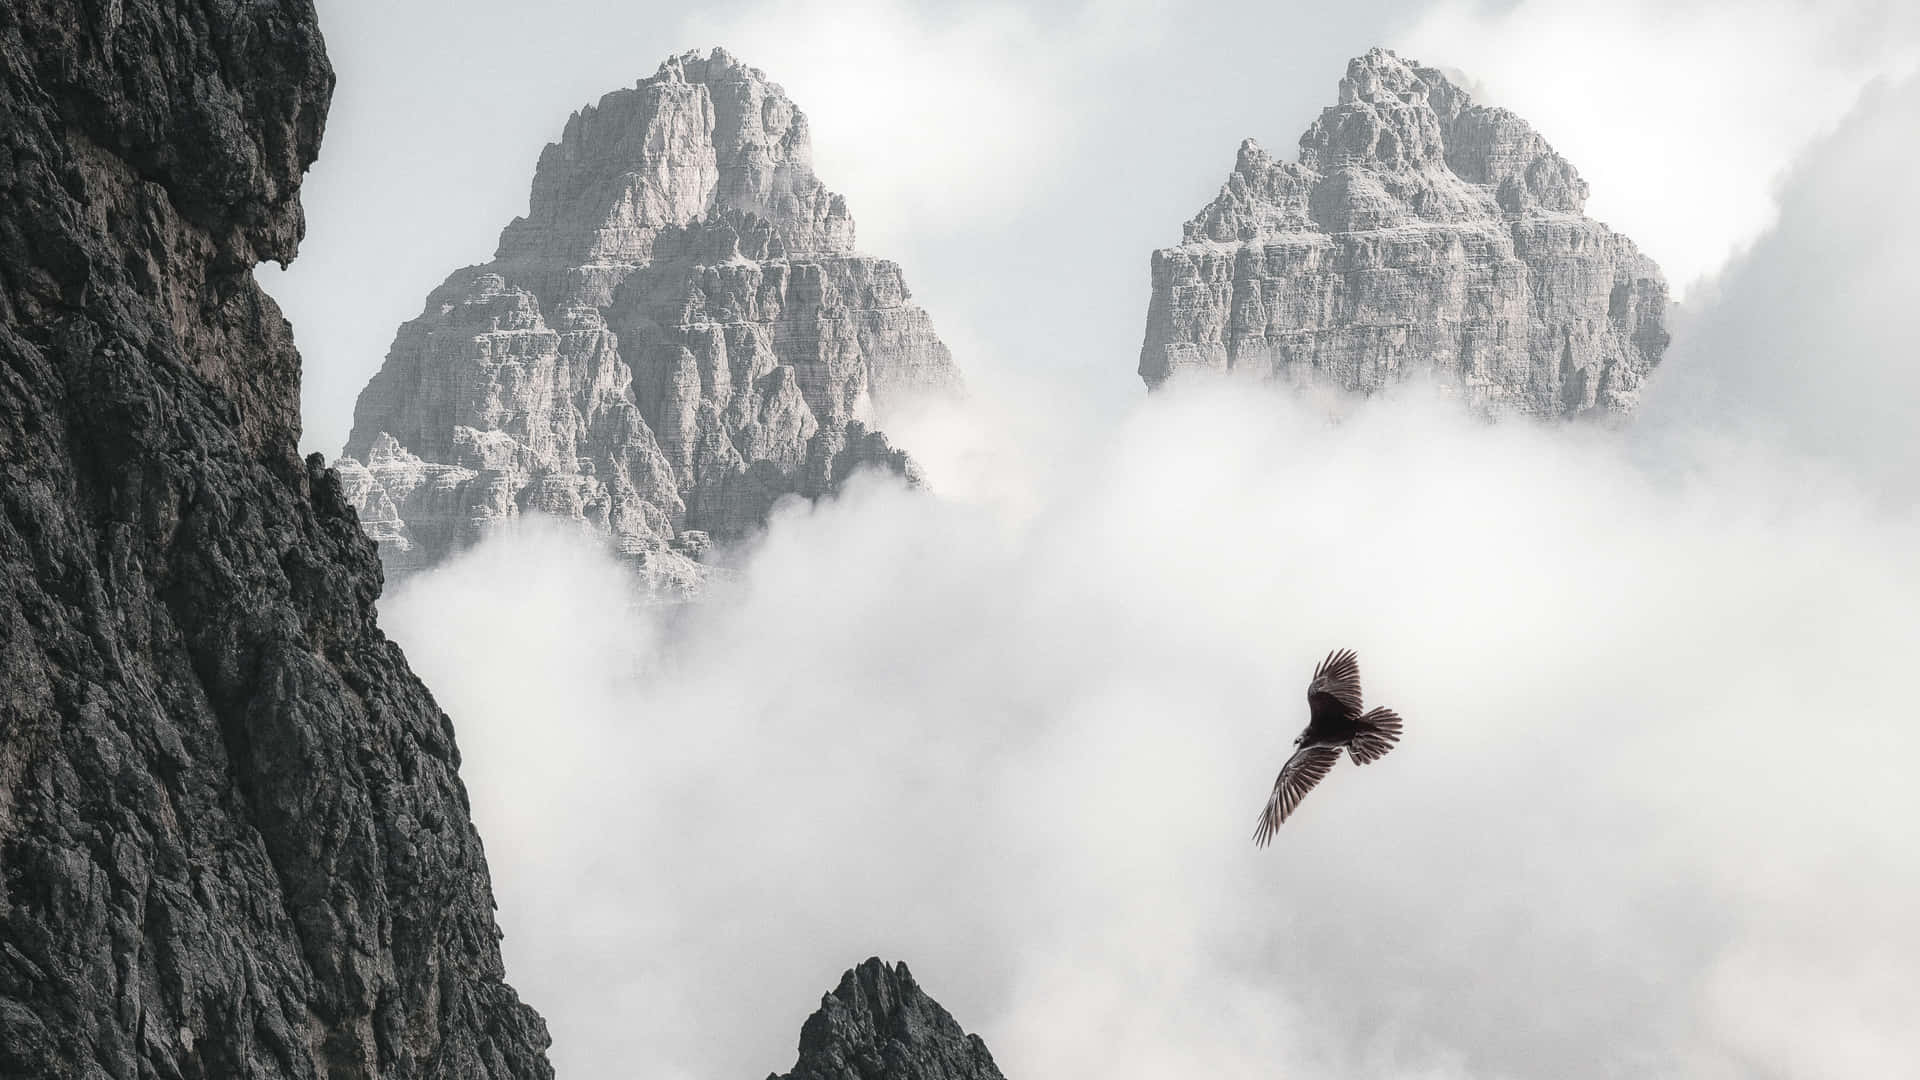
[1396, 114]
[1418, 233]
[694, 66]
[703, 134]
[676, 334]
[878, 1024]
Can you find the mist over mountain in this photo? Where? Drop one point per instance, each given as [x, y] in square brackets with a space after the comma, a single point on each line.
[1017, 729]
[1008, 708]
[1805, 344]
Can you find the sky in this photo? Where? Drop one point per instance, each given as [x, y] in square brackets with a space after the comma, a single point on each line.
[1022, 161]
[1652, 814]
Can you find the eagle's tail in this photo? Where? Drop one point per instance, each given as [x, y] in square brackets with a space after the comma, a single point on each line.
[1379, 730]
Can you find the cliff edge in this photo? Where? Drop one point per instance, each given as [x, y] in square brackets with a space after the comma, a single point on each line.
[233, 839]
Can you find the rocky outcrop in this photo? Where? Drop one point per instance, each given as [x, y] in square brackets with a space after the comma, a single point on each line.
[678, 333]
[1419, 234]
[233, 839]
[879, 1025]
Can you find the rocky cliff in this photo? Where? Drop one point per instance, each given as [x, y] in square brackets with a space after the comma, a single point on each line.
[879, 1025]
[677, 333]
[1418, 234]
[233, 840]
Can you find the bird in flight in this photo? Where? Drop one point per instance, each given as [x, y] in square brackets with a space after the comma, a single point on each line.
[1337, 724]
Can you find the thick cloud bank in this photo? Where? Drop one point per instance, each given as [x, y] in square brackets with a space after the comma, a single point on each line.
[1681, 114]
[1653, 814]
[1810, 341]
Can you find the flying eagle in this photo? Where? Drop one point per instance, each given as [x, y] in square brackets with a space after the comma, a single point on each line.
[1337, 724]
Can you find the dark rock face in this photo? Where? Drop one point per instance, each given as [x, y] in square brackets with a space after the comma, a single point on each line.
[233, 841]
[879, 1025]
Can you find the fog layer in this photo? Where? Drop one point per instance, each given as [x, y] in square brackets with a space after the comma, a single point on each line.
[1810, 341]
[1652, 808]
[1653, 814]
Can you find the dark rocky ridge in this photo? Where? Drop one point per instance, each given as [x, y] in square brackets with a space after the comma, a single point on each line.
[879, 1025]
[233, 840]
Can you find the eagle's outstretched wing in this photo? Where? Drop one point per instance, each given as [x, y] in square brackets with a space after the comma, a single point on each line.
[1335, 689]
[1304, 769]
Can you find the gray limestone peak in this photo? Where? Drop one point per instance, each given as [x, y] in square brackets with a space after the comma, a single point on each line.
[1417, 234]
[703, 134]
[678, 333]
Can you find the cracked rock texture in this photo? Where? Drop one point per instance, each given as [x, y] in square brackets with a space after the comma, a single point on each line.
[678, 333]
[233, 840]
[879, 1025]
[1418, 235]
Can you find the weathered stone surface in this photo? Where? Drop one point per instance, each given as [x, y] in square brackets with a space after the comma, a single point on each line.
[1418, 234]
[233, 840]
[879, 1025]
[678, 333]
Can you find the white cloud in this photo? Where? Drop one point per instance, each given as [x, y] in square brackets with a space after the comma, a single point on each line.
[1654, 745]
[1810, 342]
[1681, 116]
[912, 113]
[1016, 733]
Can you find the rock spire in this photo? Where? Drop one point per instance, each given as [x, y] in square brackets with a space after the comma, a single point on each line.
[1418, 234]
[879, 1025]
[678, 333]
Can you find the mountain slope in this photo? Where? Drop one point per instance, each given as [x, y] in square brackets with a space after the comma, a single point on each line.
[233, 838]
